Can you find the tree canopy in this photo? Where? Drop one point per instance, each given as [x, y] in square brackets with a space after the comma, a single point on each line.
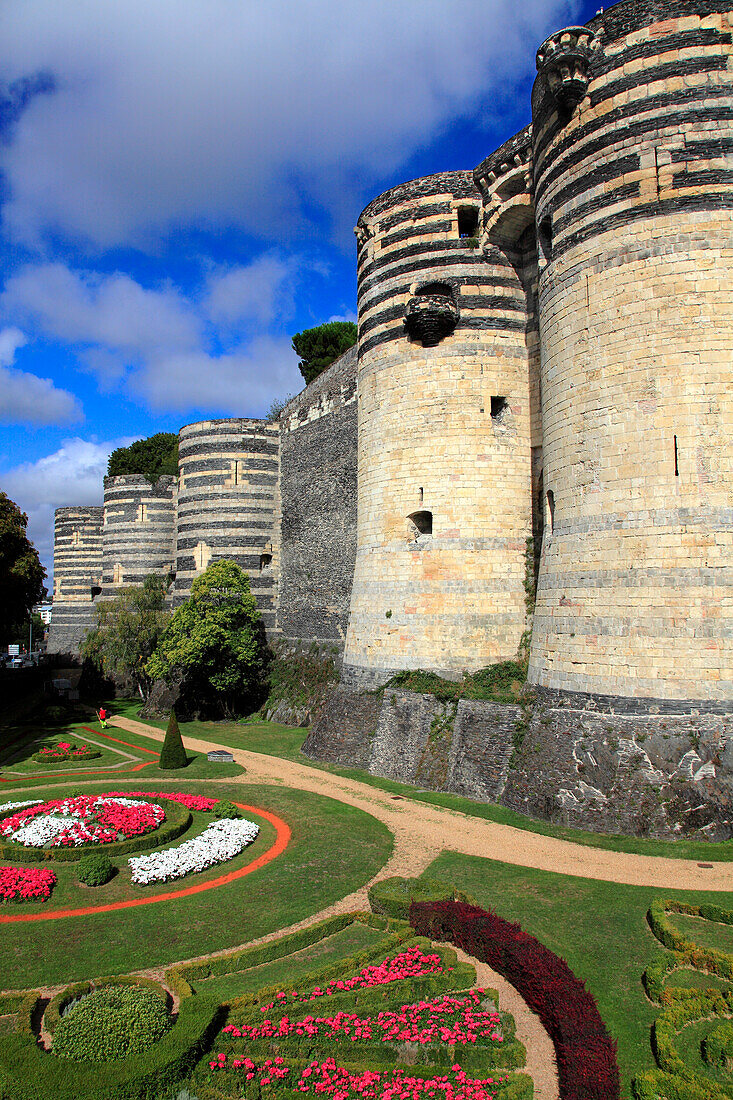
[128, 629]
[150, 457]
[321, 346]
[214, 646]
[21, 572]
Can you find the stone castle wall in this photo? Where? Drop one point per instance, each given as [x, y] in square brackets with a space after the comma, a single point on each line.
[139, 530]
[444, 479]
[228, 503]
[633, 194]
[77, 576]
[318, 489]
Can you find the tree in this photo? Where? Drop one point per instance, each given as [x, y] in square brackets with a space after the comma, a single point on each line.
[321, 346]
[128, 629]
[150, 457]
[21, 572]
[214, 646]
[173, 754]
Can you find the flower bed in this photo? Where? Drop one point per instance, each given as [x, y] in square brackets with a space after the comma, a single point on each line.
[361, 1045]
[64, 752]
[326, 1078]
[444, 1019]
[586, 1054]
[96, 819]
[26, 884]
[221, 841]
[190, 801]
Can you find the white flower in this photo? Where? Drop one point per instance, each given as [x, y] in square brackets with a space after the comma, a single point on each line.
[221, 841]
[19, 805]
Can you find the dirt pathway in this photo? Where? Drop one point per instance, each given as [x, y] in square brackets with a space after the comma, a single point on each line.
[421, 830]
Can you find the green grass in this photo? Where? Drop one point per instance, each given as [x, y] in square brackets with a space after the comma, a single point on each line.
[285, 742]
[288, 969]
[706, 933]
[334, 850]
[695, 979]
[599, 928]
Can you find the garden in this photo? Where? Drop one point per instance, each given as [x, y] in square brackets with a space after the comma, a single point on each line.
[133, 901]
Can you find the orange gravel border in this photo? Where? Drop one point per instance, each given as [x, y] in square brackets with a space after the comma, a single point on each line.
[282, 840]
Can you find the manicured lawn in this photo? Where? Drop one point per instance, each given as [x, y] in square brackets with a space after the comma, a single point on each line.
[706, 933]
[284, 741]
[599, 928]
[334, 850]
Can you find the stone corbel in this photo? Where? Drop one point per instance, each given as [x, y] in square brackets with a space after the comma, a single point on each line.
[564, 60]
[430, 317]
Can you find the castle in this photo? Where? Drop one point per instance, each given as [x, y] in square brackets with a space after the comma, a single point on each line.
[542, 390]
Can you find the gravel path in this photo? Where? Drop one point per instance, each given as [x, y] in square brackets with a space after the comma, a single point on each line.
[421, 831]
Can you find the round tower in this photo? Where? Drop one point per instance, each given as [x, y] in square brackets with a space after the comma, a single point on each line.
[139, 530]
[633, 181]
[444, 468]
[227, 504]
[77, 576]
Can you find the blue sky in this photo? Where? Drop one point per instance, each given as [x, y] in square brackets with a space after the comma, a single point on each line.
[178, 189]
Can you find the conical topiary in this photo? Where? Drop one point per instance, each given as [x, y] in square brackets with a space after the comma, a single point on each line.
[173, 754]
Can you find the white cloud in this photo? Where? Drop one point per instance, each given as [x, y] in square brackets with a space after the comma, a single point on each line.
[216, 113]
[112, 311]
[247, 379]
[257, 292]
[71, 475]
[154, 342]
[25, 398]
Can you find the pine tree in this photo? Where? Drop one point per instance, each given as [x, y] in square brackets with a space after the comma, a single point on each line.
[173, 754]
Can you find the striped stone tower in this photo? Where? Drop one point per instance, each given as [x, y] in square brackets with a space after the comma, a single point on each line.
[139, 530]
[633, 170]
[228, 505]
[77, 576]
[444, 497]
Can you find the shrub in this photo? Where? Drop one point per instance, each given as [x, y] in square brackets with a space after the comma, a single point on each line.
[95, 870]
[392, 897]
[225, 808]
[109, 1023]
[173, 754]
[586, 1054]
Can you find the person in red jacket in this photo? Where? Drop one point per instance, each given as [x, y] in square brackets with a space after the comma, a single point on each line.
[102, 715]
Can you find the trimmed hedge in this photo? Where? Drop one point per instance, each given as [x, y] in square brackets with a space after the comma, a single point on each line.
[244, 958]
[675, 1079]
[702, 958]
[95, 870]
[177, 820]
[392, 897]
[717, 1046]
[27, 1072]
[109, 1023]
[173, 754]
[586, 1054]
[56, 1006]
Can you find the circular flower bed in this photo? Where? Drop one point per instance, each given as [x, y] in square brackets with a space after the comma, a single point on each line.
[64, 751]
[73, 822]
